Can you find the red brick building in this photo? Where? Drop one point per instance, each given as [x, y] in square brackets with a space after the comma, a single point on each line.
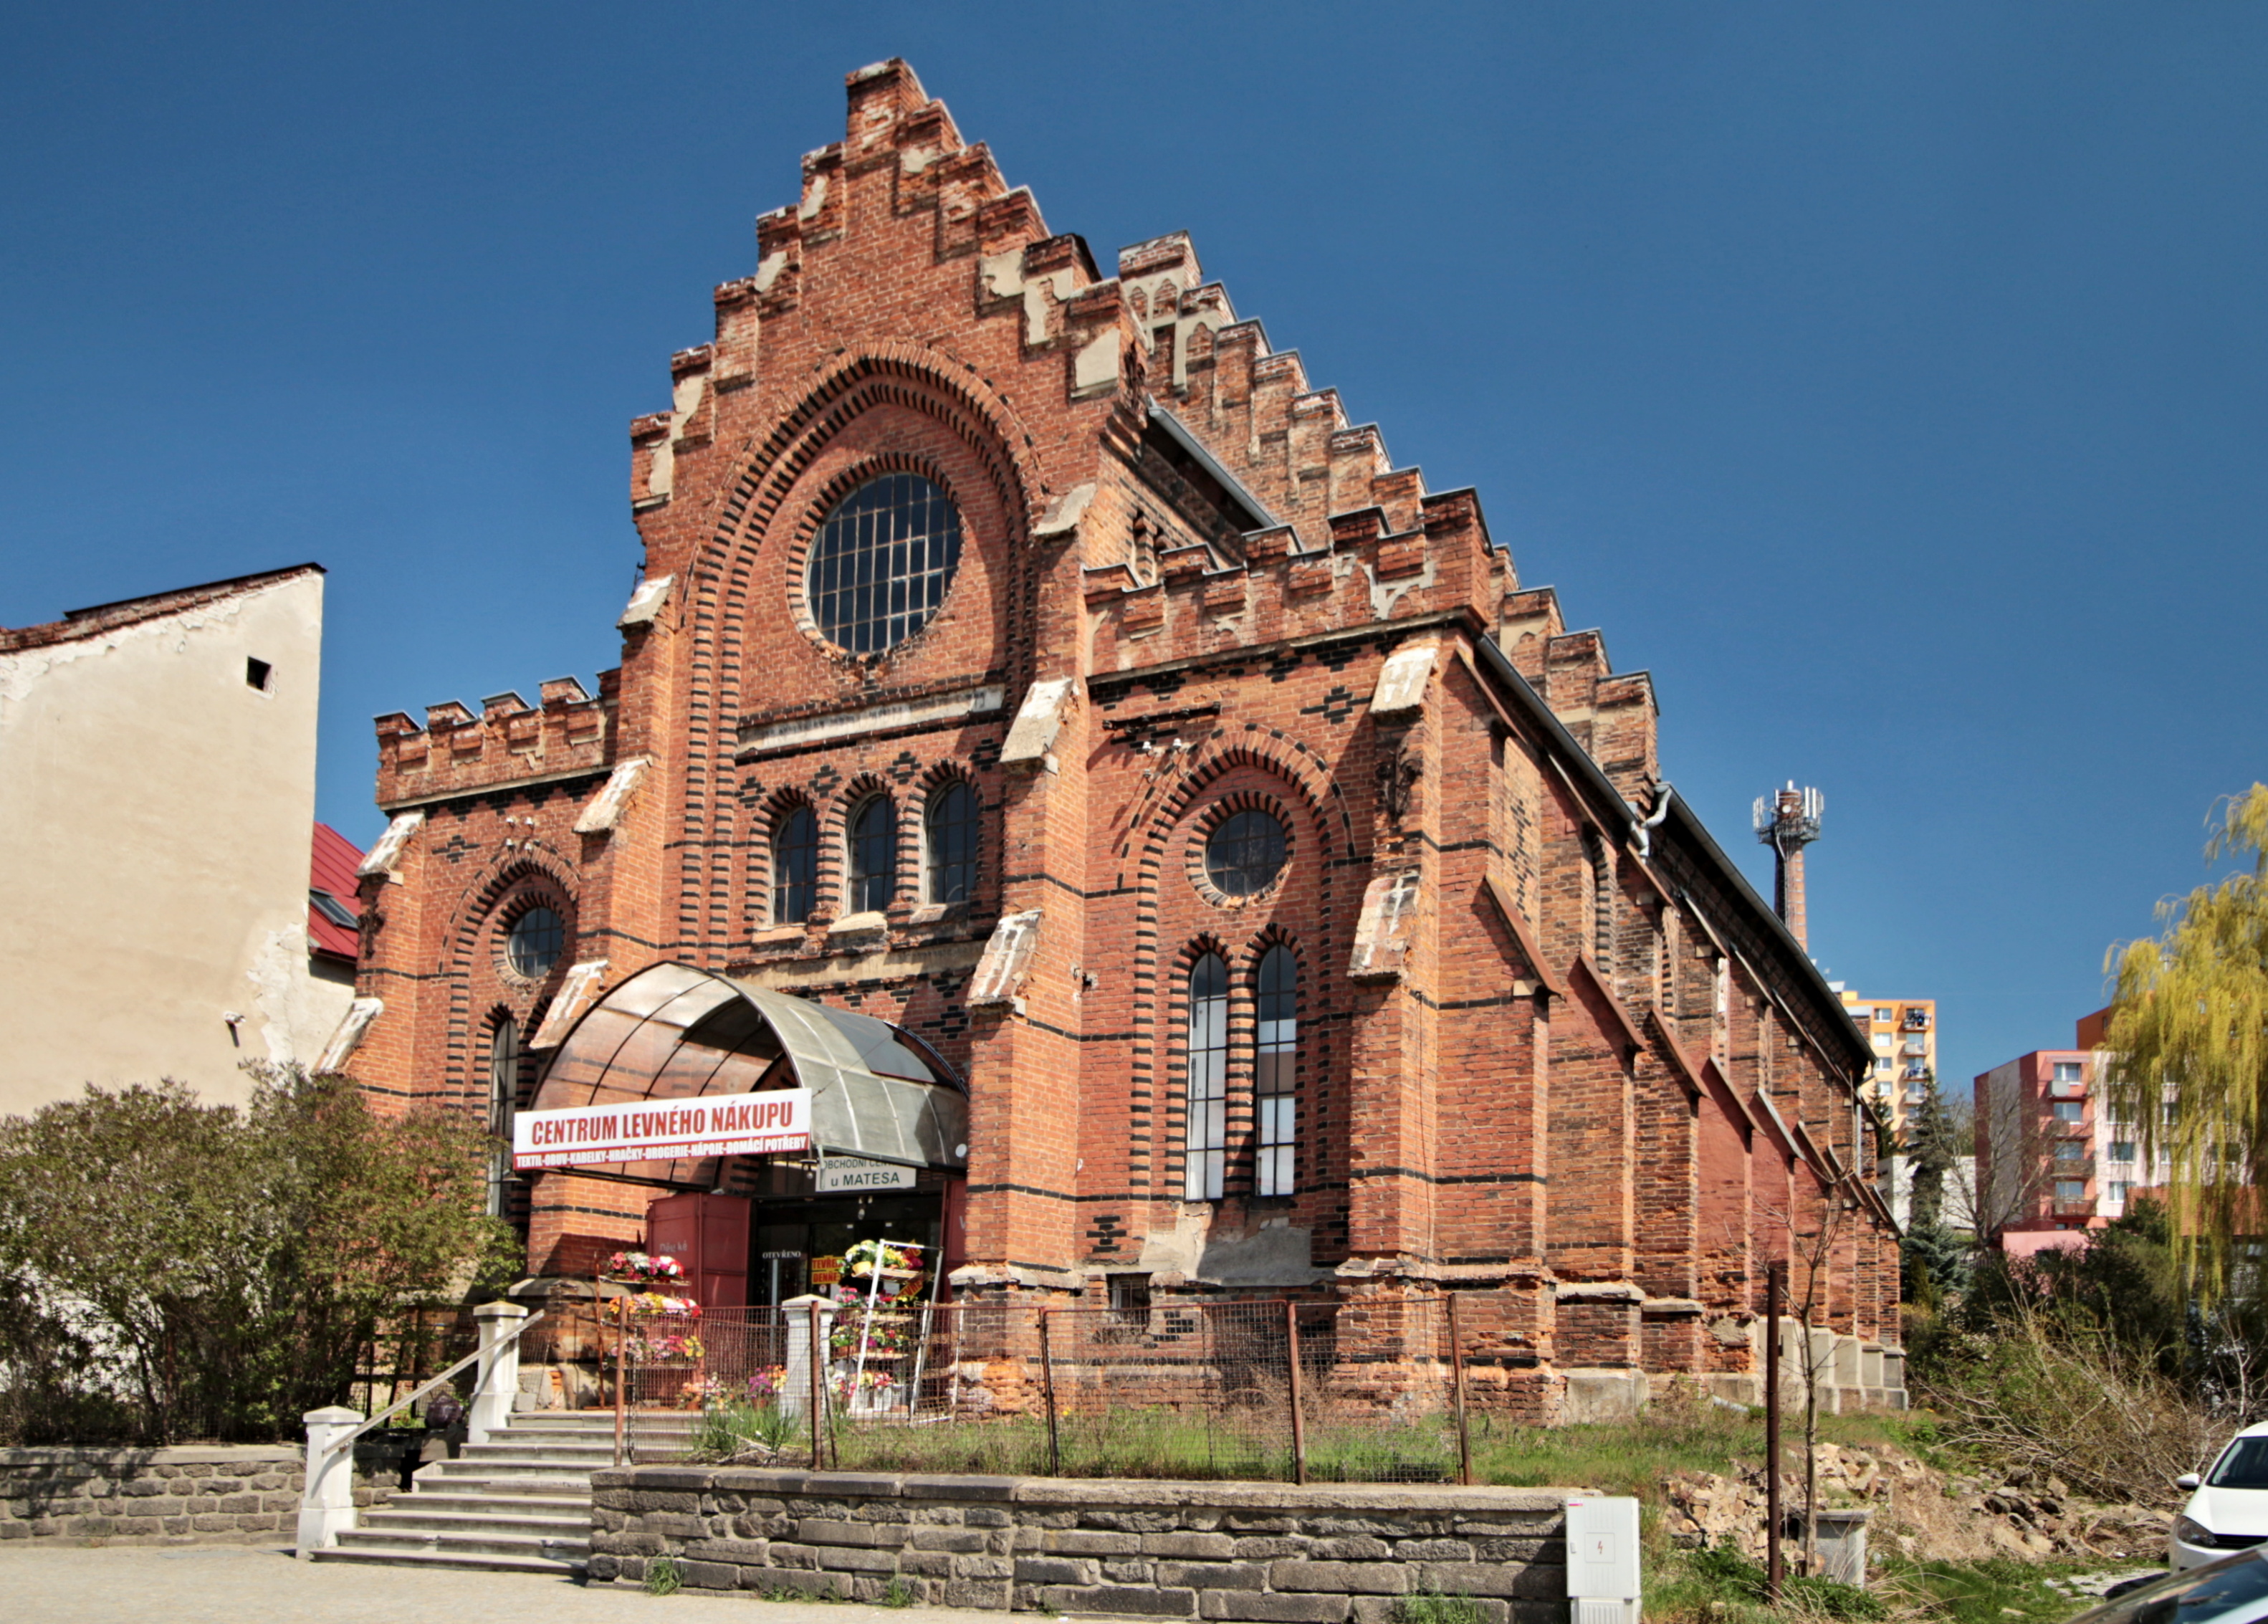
[1035, 659]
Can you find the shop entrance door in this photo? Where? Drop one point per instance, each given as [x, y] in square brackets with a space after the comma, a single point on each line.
[797, 1243]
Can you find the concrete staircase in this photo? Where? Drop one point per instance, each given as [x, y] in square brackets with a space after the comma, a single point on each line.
[519, 1503]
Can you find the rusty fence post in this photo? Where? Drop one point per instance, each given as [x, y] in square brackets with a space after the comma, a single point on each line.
[1047, 1384]
[1299, 1407]
[622, 1375]
[1457, 1383]
[818, 1388]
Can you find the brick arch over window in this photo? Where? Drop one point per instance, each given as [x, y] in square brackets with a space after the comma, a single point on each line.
[1187, 1099]
[771, 814]
[532, 875]
[716, 610]
[836, 833]
[812, 515]
[933, 781]
[1281, 1149]
[1254, 766]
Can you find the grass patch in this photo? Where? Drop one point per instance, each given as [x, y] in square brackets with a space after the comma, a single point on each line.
[1720, 1586]
[662, 1576]
[897, 1593]
[1433, 1607]
[1155, 1443]
[726, 1430]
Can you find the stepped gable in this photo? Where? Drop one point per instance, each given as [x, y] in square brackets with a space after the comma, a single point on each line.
[1346, 538]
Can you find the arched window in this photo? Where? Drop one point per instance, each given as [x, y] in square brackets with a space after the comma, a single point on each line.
[881, 563]
[1244, 855]
[953, 843]
[503, 1099]
[1206, 1136]
[795, 866]
[873, 856]
[1275, 1053]
[534, 943]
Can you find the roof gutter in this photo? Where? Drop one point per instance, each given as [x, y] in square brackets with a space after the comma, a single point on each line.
[1212, 465]
[1586, 773]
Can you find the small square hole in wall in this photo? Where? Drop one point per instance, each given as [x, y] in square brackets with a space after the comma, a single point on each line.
[256, 673]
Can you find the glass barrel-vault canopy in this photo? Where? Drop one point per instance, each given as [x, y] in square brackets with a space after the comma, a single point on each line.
[675, 1032]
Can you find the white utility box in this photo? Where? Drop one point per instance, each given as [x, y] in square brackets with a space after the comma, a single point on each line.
[1603, 1560]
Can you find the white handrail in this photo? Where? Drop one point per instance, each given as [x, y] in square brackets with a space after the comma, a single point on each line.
[347, 1442]
[327, 1507]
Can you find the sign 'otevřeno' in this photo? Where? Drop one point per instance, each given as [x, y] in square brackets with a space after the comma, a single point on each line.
[718, 1124]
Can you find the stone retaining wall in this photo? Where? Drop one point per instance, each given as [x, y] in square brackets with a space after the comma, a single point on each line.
[217, 1495]
[1266, 1553]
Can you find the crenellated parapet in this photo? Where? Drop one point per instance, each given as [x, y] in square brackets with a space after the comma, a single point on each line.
[1367, 571]
[509, 743]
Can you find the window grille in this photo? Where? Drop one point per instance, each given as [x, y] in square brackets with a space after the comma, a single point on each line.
[535, 941]
[873, 856]
[882, 562]
[953, 844]
[795, 866]
[1206, 1135]
[1243, 855]
[1273, 1094]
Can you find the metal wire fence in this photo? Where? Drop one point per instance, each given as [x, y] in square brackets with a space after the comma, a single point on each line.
[1306, 1392]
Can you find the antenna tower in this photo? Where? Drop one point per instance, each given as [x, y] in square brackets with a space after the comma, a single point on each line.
[1787, 821]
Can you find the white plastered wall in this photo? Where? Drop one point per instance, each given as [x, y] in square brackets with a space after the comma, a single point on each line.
[156, 812]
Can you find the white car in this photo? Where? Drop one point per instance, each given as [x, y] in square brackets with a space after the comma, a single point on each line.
[2228, 1507]
[2232, 1590]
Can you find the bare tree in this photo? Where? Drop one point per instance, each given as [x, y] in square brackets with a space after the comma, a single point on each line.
[1812, 1239]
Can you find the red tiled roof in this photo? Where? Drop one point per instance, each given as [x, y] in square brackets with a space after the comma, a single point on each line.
[332, 869]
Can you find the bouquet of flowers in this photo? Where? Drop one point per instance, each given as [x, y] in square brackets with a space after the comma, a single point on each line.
[637, 1265]
[766, 1384]
[662, 1346]
[890, 1336]
[849, 1386]
[863, 1259]
[648, 1305]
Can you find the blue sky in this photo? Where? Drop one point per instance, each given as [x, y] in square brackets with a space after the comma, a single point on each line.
[1889, 382]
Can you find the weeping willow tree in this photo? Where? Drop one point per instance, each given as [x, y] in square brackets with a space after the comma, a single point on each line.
[2189, 1051]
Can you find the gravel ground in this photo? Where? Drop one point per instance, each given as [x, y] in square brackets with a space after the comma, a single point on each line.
[247, 1584]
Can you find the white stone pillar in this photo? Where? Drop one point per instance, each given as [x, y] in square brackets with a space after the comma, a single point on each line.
[795, 1382]
[327, 1507]
[499, 1369]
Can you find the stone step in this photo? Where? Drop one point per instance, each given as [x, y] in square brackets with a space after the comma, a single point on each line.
[518, 1474]
[477, 1498]
[474, 1560]
[544, 1547]
[570, 1486]
[590, 1456]
[473, 1516]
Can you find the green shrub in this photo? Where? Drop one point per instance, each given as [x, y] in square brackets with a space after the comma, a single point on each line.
[262, 1249]
[662, 1577]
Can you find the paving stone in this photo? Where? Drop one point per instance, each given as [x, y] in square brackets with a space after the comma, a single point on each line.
[1349, 1578]
[1141, 1601]
[1053, 1570]
[1213, 1576]
[1259, 1607]
[1493, 1579]
[1190, 1545]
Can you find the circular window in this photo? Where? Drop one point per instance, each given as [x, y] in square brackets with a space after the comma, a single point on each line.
[534, 943]
[882, 562]
[1245, 853]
